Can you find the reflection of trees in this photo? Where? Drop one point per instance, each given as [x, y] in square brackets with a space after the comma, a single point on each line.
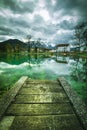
[19, 59]
[79, 70]
[85, 70]
[35, 59]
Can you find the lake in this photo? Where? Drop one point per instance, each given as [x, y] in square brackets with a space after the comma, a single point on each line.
[74, 69]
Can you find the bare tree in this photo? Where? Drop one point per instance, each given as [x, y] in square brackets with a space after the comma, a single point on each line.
[37, 44]
[29, 42]
[78, 35]
[85, 38]
[81, 34]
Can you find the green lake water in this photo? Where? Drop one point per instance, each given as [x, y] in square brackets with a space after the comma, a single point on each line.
[74, 69]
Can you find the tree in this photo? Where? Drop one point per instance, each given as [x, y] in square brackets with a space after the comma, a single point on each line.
[37, 44]
[85, 37]
[17, 48]
[9, 48]
[78, 30]
[81, 34]
[29, 42]
[79, 70]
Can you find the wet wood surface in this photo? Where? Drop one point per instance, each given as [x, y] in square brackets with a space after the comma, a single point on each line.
[40, 105]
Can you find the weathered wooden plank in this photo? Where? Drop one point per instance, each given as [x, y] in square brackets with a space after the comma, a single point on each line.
[6, 122]
[39, 109]
[9, 96]
[30, 81]
[59, 122]
[41, 90]
[38, 85]
[78, 104]
[41, 98]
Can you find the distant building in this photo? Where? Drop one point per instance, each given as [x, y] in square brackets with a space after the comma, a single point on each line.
[77, 47]
[62, 47]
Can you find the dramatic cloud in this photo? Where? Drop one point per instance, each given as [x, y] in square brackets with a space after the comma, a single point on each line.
[53, 20]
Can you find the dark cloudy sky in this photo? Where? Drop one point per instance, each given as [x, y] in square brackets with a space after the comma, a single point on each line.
[51, 20]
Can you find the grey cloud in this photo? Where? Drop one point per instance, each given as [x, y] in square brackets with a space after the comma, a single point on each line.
[17, 6]
[63, 37]
[72, 7]
[20, 26]
[66, 25]
[2, 38]
[38, 19]
[50, 29]
[40, 25]
[3, 20]
[9, 4]
[44, 28]
[20, 23]
[4, 30]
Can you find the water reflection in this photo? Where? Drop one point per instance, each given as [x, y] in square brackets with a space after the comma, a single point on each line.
[74, 69]
[78, 77]
[62, 59]
[79, 69]
[77, 66]
[35, 58]
[16, 59]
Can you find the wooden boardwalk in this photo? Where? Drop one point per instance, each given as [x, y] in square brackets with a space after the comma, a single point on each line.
[38, 105]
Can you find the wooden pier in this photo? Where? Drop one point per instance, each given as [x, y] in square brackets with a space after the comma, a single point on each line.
[42, 105]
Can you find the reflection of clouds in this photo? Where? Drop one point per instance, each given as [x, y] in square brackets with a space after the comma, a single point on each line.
[47, 67]
[4, 65]
[1, 71]
[57, 68]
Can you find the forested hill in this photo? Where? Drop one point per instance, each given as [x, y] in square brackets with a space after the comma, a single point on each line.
[15, 45]
[12, 45]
